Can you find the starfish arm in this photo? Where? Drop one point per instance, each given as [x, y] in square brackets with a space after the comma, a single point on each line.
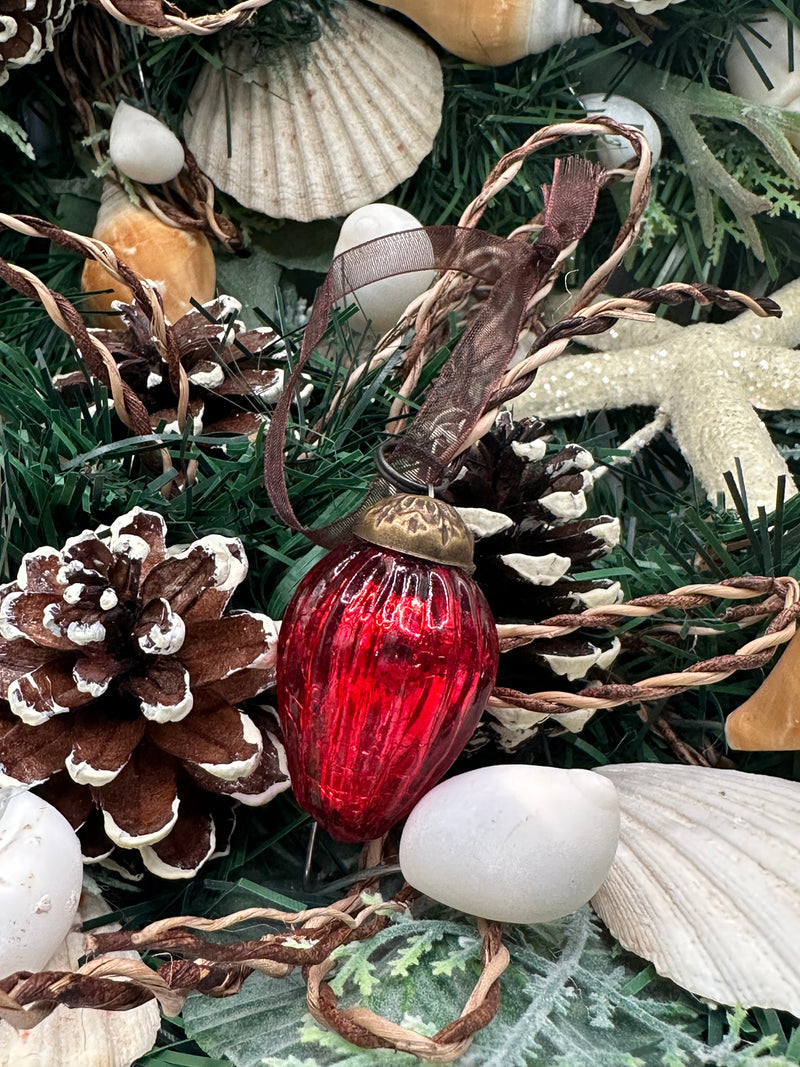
[575, 384]
[715, 424]
[783, 332]
[770, 376]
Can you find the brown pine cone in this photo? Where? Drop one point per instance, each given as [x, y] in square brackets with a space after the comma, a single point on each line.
[123, 670]
[232, 372]
[525, 509]
[27, 30]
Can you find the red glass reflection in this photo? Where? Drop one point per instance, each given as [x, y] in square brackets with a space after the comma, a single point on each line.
[385, 664]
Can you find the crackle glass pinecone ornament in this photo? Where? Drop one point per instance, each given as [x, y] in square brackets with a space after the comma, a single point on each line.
[233, 373]
[525, 508]
[27, 31]
[122, 671]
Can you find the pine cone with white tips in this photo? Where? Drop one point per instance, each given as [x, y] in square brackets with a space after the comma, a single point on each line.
[123, 671]
[27, 31]
[232, 373]
[526, 510]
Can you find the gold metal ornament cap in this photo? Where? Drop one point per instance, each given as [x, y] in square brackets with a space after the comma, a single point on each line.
[419, 526]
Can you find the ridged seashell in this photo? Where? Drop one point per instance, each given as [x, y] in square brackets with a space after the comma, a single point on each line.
[318, 130]
[614, 150]
[493, 33]
[771, 50]
[641, 7]
[142, 147]
[180, 263]
[81, 1037]
[381, 303]
[706, 880]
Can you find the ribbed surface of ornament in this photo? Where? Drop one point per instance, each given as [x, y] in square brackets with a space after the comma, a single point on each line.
[385, 665]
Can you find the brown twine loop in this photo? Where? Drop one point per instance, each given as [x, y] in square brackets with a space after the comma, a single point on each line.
[219, 970]
[161, 18]
[463, 400]
[365, 1028]
[783, 602]
[515, 272]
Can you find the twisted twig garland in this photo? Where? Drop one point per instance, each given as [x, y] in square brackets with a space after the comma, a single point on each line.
[783, 603]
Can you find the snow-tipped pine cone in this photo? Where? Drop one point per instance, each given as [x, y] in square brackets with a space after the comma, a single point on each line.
[123, 671]
[27, 30]
[231, 371]
[525, 509]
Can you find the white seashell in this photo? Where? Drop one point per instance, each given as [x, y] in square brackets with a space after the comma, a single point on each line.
[82, 1037]
[614, 151]
[318, 131]
[492, 32]
[744, 78]
[142, 147]
[381, 303]
[706, 882]
[40, 883]
[512, 843]
[641, 7]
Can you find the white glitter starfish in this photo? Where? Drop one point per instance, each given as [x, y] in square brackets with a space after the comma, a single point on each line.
[705, 379]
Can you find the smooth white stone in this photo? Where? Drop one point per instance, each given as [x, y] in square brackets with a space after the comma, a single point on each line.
[383, 302]
[142, 147]
[617, 151]
[513, 843]
[40, 882]
[773, 54]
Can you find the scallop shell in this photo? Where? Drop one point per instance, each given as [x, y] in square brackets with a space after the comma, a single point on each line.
[706, 880]
[319, 130]
[82, 1037]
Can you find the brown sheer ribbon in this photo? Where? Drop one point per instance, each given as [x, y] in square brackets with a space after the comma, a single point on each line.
[458, 397]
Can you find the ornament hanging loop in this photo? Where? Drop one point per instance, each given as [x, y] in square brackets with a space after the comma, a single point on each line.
[402, 481]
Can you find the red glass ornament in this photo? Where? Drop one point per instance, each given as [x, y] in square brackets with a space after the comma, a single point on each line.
[385, 663]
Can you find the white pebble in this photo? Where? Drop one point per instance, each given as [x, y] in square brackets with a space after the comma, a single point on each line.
[142, 147]
[513, 843]
[771, 50]
[384, 301]
[616, 151]
[40, 881]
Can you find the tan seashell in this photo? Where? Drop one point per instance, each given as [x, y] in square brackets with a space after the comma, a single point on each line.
[180, 263]
[82, 1037]
[494, 32]
[706, 880]
[321, 130]
[770, 720]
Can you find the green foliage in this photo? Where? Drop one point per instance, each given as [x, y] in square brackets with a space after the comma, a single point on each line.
[570, 999]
